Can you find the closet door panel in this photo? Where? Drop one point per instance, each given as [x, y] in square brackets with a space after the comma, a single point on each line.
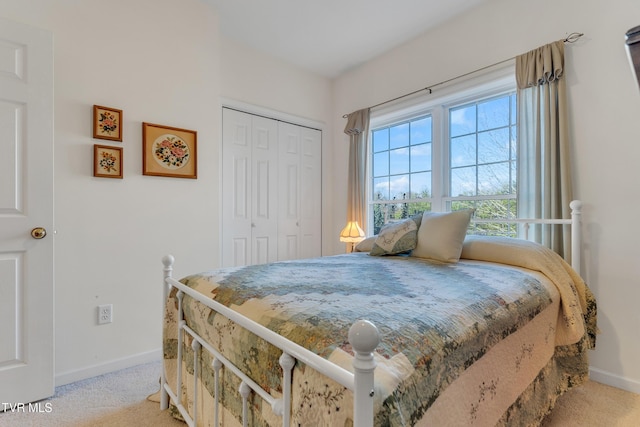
[236, 182]
[289, 146]
[311, 193]
[239, 255]
[264, 165]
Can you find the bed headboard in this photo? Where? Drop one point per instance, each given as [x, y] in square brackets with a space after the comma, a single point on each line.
[574, 222]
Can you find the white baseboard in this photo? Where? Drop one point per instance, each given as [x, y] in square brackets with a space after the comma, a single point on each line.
[613, 380]
[106, 367]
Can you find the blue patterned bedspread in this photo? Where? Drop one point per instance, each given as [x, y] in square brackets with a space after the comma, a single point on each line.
[439, 318]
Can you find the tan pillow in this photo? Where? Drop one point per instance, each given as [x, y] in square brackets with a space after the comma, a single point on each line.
[366, 245]
[441, 235]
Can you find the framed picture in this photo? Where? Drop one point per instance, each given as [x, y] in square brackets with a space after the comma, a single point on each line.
[107, 123]
[169, 151]
[107, 161]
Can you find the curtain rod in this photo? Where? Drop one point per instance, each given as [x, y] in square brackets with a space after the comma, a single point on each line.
[571, 38]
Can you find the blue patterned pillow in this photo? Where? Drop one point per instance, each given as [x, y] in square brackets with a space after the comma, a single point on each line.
[397, 237]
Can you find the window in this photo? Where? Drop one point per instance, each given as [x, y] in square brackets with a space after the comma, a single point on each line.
[402, 170]
[452, 153]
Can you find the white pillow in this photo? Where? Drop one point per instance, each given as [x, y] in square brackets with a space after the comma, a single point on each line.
[441, 235]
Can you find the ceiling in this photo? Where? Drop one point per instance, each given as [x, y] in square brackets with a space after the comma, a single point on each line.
[330, 37]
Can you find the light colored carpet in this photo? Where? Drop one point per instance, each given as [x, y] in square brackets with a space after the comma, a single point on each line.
[595, 405]
[119, 399]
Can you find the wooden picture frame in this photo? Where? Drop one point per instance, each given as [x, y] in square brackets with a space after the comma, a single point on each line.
[107, 123]
[169, 151]
[107, 161]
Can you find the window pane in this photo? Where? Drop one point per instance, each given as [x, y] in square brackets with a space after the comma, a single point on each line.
[381, 188]
[381, 164]
[380, 140]
[421, 185]
[514, 109]
[421, 131]
[462, 120]
[421, 157]
[399, 136]
[493, 209]
[399, 161]
[420, 207]
[493, 146]
[457, 205]
[399, 187]
[379, 217]
[463, 151]
[463, 181]
[493, 113]
[494, 179]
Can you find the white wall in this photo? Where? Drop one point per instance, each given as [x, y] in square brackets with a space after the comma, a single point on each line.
[158, 61]
[605, 122]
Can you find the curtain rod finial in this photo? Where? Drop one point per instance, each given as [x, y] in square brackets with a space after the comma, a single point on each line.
[573, 37]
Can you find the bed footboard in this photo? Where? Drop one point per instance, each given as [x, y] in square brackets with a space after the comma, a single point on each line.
[363, 337]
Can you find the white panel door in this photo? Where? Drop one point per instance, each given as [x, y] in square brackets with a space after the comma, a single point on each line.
[26, 202]
[289, 146]
[264, 197]
[300, 192]
[236, 192]
[311, 193]
[249, 194]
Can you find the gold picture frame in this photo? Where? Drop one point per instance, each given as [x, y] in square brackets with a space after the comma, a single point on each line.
[107, 161]
[107, 123]
[169, 151]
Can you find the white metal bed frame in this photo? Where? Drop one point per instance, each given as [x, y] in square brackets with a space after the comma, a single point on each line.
[363, 337]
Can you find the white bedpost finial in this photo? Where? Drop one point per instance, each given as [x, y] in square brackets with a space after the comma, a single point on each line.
[364, 338]
[168, 261]
[576, 206]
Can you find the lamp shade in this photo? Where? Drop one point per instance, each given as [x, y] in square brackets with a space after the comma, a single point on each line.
[351, 233]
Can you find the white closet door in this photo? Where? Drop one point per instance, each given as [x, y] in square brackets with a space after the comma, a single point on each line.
[249, 193]
[289, 146]
[271, 190]
[264, 188]
[300, 191]
[311, 193]
[236, 192]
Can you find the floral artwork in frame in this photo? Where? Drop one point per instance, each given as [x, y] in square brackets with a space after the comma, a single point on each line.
[107, 123]
[169, 151]
[107, 161]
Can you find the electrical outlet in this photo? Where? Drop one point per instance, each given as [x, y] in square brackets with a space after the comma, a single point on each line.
[105, 314]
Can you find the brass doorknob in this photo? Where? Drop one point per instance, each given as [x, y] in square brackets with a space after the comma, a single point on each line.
[38, 233]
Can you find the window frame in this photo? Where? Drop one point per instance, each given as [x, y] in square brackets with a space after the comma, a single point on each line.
[487, 83]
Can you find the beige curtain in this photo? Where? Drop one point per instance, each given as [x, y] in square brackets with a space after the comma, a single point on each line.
[358, 130]
[544, 178]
